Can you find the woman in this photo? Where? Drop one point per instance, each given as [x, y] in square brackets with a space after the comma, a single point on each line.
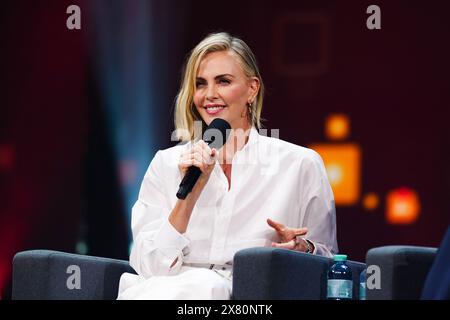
[255, 191]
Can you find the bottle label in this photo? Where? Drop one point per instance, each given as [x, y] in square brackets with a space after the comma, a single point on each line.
[339, 289]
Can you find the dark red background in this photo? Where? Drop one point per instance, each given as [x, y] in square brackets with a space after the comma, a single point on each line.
[56, 164]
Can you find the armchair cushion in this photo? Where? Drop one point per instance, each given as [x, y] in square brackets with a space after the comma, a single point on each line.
[43, 274]
[403, 270]
[270, 273]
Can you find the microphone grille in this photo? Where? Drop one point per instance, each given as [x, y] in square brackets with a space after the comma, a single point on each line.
[216, 134]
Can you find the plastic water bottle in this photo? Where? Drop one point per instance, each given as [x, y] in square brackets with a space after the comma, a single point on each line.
[340, 283]
[362, 285]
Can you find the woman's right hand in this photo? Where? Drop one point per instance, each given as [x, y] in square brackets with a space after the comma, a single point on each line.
[203, 157]
[199, 155]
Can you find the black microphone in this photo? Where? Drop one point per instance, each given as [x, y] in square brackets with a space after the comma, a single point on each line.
[216, 134]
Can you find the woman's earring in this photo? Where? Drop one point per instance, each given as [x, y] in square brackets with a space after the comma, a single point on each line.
[249, 105]
[250, 108]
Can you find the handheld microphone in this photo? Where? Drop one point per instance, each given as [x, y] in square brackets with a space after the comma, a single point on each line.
[216, 135]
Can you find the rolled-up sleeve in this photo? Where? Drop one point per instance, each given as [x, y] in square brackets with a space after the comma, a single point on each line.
[156, 243]
[317, 206]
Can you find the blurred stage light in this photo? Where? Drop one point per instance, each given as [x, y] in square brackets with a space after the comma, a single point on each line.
[335, 173]
[342, 162]
[402, 206]
[371, 201]
[337, 127]
[130, 88]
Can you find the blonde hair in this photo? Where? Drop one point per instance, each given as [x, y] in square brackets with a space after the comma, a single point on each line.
[185, 112]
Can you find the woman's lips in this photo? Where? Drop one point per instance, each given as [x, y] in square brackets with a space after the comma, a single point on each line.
[214, 109]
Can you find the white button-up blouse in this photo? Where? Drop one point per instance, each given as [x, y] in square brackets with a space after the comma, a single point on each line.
[270, 178]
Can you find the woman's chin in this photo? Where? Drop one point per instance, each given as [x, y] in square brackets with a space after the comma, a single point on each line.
[209, 118]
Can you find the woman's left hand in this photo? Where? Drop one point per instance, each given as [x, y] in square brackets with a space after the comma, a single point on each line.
[290, 238]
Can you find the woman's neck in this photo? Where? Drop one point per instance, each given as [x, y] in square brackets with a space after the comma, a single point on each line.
[236, 141]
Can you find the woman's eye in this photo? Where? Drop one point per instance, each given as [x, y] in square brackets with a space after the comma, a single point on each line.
[199, 84]
[224, 81]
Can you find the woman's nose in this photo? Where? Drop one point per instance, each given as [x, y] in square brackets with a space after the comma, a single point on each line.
[211, 92]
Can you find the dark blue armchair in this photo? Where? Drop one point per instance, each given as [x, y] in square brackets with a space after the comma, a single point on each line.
[412, 272]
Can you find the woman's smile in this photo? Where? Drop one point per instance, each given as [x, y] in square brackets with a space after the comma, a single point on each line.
[213, 109]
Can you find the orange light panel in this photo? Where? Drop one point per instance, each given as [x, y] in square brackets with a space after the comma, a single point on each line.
[402, 206]
[337, 127]
[342, 162]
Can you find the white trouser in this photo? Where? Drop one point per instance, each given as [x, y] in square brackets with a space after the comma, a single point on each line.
[193, 282]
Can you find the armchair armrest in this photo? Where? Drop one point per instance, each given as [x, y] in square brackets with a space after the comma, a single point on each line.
[403, 271]
[43, 274]
[270, 273]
